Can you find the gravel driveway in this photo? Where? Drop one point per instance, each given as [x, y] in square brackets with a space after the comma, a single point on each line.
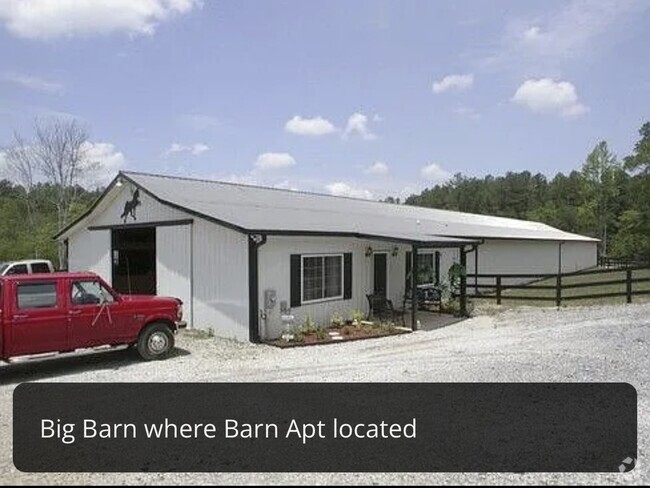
[577, 344]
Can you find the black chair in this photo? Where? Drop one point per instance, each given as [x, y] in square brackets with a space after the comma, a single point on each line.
[428, 297]
[381, 308]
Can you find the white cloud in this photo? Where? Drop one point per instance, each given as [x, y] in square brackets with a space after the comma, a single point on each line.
[318, 126]
[269, 161]
[532, 34]
[435, 173]
[34, 83]
[342, 189]
[377, 168]
[194, 149]
[578, 29]
[109, 159]
[467, 112]
[548, 96]
[453, 83]
[358, 126]
[47, 19]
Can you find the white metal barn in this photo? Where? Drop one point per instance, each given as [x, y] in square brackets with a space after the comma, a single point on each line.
[240, 256]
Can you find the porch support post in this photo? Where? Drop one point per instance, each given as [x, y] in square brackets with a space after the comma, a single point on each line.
[414, 286]
[463, 282]
[475, 270]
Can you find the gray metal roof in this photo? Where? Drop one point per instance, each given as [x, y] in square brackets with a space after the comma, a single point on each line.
[272, 210]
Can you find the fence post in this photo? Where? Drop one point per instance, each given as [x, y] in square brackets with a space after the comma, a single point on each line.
[558, 290]
[628, 285]
[498, 290]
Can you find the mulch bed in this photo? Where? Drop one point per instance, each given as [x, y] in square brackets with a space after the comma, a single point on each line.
[347, 333]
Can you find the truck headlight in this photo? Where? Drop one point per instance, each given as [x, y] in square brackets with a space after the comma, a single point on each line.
[179, 312]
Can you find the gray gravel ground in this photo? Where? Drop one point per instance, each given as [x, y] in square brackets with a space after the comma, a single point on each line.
[609, 343]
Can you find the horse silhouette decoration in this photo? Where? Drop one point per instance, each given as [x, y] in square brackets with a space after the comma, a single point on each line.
[130, 206]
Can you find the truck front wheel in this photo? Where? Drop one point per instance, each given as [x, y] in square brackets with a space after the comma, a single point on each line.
[155, 342]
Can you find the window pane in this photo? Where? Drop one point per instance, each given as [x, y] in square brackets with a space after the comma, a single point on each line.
[40, 268]
[17, 269]
[312, 278]
[36, 295]
[426, 272]
[333, 276]
[89, 293]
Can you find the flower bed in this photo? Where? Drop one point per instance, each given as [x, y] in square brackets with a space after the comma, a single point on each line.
[308, 336]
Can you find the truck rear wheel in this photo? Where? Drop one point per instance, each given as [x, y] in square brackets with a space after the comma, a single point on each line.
[155, 342]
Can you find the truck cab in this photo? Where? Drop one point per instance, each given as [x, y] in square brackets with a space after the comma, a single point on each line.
[63, 312]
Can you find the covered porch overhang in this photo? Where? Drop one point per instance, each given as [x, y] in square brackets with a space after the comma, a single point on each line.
[410, 241]
[420, 242]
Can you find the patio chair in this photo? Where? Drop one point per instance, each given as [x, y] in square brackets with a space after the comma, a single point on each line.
[382, 308]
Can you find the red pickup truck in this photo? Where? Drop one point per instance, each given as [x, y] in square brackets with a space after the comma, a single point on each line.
[62, 312]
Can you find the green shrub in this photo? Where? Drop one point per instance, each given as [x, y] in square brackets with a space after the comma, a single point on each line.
[308, 325]
[337, 319]
[357, 315]
[321, 334]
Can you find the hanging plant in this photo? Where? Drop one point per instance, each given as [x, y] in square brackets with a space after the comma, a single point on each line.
[456, 272]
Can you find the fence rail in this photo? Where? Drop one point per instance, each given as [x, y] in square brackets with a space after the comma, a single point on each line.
[557, 282]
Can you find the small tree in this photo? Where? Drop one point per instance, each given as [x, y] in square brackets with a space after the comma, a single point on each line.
[56, 155]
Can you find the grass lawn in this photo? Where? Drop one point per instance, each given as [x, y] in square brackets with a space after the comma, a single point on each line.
[596, 288]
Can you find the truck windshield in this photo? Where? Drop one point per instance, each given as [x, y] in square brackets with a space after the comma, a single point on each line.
[3, 266]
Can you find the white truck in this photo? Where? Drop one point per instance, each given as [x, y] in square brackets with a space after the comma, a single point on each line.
[29, 266]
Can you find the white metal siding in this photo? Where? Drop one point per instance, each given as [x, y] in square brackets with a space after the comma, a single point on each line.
[149, 210]
[274, 274]
[173, 265]
[203, 264]
[507, 256]
[220, 280]
[90, 251]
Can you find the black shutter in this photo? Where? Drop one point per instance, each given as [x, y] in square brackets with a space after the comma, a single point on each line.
[296, 277]
[347, 276]
[437, 267]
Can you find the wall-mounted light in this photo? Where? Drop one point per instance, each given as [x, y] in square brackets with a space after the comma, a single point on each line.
[395, 251]
[368, 251]
[118, 183]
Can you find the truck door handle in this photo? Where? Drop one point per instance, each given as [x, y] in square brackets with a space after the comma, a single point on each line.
[74, 312]
[21, 316]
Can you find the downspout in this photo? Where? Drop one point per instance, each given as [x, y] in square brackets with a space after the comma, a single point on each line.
[192, 274]
[254, 243]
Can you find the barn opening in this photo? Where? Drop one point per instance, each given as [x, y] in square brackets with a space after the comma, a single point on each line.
[134, 260]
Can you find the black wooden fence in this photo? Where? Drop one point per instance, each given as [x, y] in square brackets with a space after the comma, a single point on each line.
[492, 286]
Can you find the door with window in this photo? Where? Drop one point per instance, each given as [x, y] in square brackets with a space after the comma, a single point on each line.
[39, 321]
[94, 321]
[380, 274]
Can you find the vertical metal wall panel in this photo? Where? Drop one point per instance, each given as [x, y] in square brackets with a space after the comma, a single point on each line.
[149, 210]
[173, 265]
[274, 263]
[91, 251]
[220, 280]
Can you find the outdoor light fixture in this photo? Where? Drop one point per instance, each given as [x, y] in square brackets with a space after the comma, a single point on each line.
[118, 183]
[395, 251]
[368, 251]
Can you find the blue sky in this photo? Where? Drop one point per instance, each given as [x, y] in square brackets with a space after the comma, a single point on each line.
[362, 98]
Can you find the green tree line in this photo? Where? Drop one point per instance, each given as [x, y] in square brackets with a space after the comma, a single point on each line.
[22, 239]
[607, 198]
